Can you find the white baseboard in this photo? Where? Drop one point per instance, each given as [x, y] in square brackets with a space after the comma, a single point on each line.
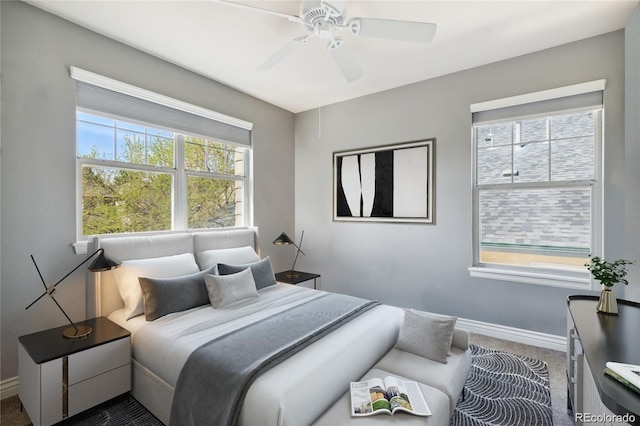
[533, 338]
[8, 387]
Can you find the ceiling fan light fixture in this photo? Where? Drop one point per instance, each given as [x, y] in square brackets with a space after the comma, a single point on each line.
[324, 29]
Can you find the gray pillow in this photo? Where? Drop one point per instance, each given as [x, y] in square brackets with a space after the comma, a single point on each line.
[227, 289]
[262, 272]
[162, 296]
[428, 336]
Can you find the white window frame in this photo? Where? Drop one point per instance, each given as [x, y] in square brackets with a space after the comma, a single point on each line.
[548, 277]
[179, 173]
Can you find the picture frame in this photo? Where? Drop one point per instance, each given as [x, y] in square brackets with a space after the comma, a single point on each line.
[389, 183]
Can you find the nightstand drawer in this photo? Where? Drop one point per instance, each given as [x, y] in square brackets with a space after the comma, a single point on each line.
[100, 359]
[98, 389]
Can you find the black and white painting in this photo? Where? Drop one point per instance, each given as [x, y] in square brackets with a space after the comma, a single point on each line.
[392, 183]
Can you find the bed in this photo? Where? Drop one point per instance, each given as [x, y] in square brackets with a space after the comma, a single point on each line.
[294, 392]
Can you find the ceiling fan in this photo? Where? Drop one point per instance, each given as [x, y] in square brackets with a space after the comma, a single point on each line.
[325, 18]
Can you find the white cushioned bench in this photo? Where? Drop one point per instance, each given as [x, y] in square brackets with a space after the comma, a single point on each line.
[441, 384]
[448, 378]
[438, 402]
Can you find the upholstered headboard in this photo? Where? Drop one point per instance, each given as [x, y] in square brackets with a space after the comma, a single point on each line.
[102, 292]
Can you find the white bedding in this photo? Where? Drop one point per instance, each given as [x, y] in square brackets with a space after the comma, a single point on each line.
[292, 393]
[164, 345]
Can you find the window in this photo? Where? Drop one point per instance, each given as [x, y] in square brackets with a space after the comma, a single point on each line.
[536, 190]
[180, 172]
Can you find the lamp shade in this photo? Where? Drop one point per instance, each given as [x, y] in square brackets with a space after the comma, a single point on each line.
[283, 239]
[103, 263]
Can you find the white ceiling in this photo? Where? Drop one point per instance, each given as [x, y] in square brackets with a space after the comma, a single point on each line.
[227, 43]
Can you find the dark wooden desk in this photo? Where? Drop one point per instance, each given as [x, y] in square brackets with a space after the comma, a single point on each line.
[609, 338]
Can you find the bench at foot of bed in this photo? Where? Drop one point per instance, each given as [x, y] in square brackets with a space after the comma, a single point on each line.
[438, 402]
[441, 384]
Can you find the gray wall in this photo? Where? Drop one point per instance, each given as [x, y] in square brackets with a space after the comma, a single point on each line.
[632, 153]
[38, 158]
[425, 266]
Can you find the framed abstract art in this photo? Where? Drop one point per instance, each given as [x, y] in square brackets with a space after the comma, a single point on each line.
[391, 183]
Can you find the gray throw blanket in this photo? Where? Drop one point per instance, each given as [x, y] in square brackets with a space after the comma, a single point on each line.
[216, 376]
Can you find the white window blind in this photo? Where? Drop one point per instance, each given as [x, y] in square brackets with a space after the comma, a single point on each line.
[580, 96]
[105, 95]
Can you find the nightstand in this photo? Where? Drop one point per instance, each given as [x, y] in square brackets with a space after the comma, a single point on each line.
[297, 277]
[60, 377]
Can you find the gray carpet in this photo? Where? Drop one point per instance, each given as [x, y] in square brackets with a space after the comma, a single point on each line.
[504, 389]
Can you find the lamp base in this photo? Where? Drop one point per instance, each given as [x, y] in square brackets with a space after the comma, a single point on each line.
[291, 274]
[81, 332]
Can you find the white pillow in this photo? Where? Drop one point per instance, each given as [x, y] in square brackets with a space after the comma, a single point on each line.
[235, 255]
[227, 289]
[157, 267]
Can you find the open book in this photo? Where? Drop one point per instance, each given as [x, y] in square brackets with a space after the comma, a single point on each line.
[627, 374]
[387, 396]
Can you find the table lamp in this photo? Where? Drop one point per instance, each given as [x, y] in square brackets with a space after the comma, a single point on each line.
[284, 240]
[101, 263]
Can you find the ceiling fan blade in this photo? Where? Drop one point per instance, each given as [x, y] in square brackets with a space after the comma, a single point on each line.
[344, 59]
[417, 32]
[292, 18]
[283, 53]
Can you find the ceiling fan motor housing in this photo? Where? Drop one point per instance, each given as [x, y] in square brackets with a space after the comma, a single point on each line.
[320, 18]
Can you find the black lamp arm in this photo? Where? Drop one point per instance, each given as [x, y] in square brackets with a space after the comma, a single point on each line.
[39, 297]
[46, 290]
[65, 314]
[77, 267]
[51, 289]
[298, 251]
[298, 247]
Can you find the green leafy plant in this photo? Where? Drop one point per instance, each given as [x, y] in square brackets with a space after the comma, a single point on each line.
[608, 273]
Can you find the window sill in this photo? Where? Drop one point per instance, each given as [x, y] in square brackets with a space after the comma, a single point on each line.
[538, 278]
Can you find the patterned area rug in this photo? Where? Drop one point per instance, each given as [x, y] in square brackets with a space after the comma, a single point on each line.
[504, 389]
[121, 411]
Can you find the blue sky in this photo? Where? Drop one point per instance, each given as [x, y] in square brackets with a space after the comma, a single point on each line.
[107, 134]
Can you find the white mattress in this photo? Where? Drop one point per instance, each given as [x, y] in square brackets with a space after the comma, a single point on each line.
[294, 392]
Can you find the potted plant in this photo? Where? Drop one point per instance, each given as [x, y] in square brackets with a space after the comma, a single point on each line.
[608, 273]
